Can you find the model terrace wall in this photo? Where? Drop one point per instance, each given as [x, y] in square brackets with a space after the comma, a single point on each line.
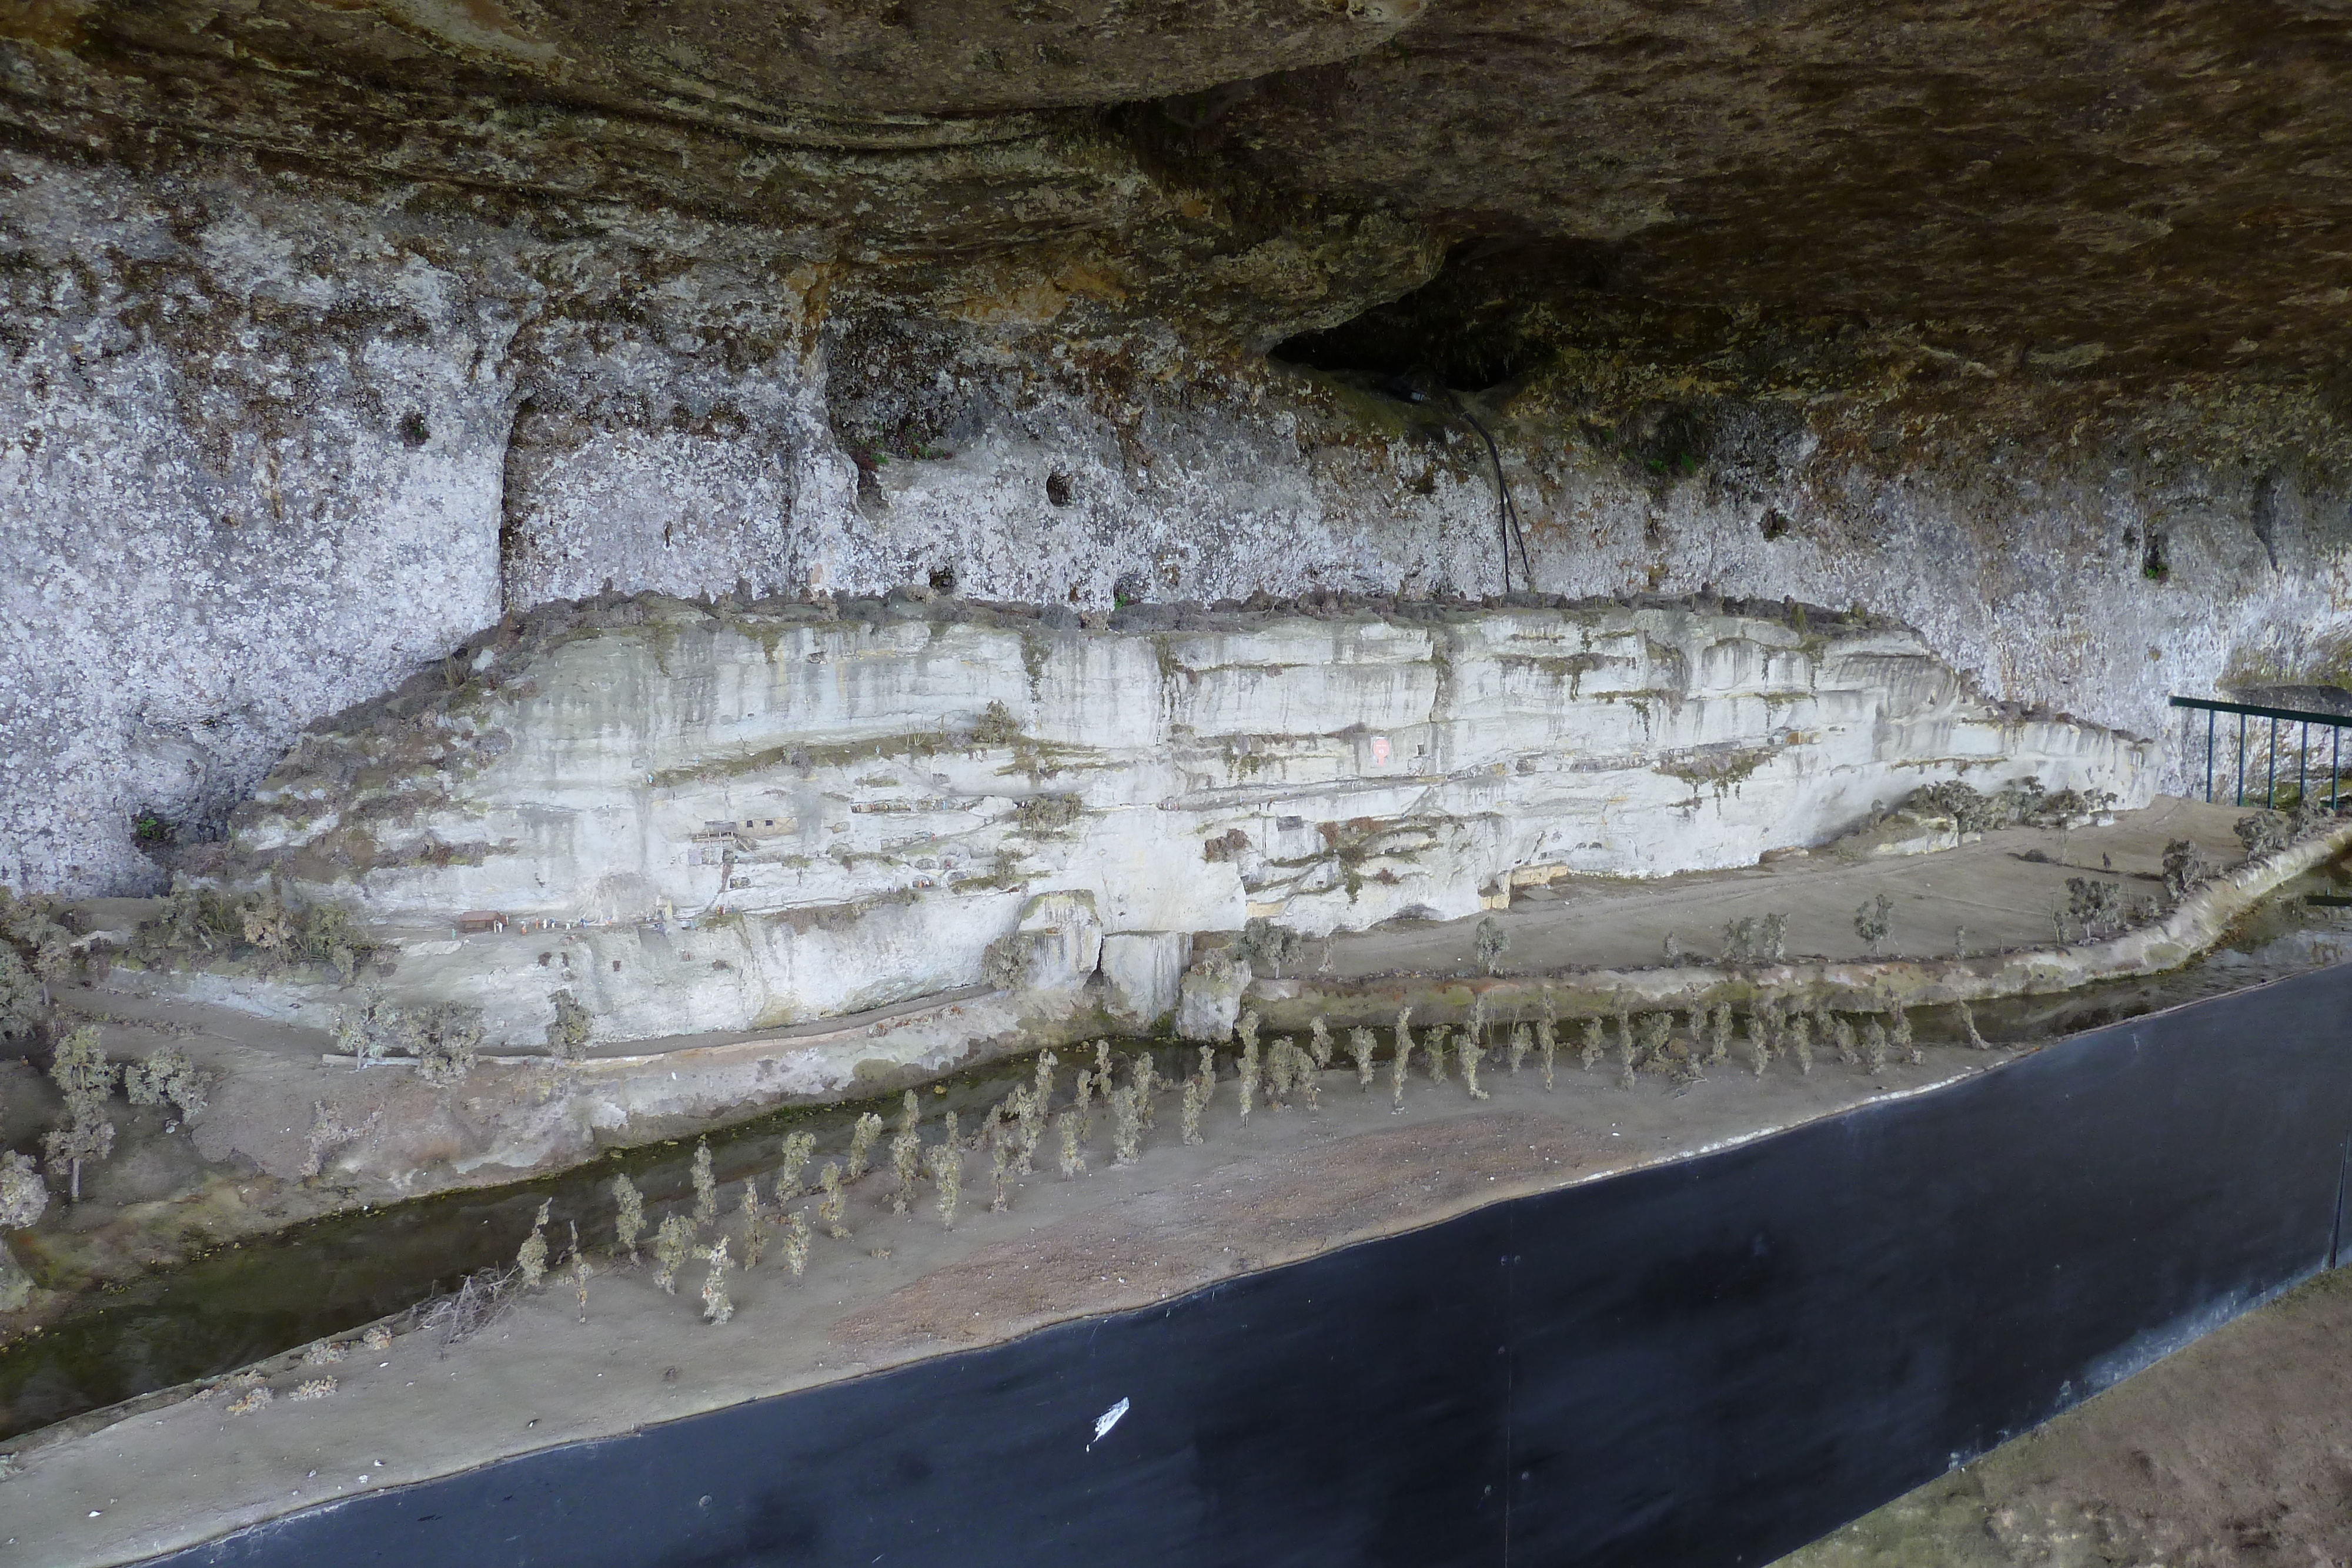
[896, 792]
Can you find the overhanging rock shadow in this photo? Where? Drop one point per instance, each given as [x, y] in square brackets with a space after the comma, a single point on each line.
[1706, 1363]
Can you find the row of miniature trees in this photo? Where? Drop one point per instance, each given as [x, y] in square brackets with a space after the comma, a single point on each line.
[783, 1208]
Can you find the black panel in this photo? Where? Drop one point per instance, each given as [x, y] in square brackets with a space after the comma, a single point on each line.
[1706, 1362]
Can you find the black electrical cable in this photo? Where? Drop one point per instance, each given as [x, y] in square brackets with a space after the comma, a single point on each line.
[1508, 527]
[1507, 520]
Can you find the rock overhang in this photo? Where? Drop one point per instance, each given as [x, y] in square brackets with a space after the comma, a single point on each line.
[2104, 196]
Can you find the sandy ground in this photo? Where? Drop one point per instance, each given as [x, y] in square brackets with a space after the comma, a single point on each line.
[1977, 898]
[2235, 1452]
[1292, 1184]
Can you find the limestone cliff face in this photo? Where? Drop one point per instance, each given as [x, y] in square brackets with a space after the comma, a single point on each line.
[863, 811]
[331, 333]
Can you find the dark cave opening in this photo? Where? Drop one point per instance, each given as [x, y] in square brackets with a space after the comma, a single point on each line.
[1476, 326]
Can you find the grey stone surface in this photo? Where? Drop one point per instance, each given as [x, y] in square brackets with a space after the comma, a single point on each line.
[1144, 974]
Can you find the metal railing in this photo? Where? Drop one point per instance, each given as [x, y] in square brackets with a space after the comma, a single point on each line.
[2268, 746]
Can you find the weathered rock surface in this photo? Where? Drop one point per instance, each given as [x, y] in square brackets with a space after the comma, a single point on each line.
[329, 334]
[859, 812]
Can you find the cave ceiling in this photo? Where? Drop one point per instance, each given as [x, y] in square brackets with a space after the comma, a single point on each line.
[2119, 195]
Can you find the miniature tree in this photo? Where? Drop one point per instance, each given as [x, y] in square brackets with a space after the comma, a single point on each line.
[1069, 1124]
[1799, 1037]
[531, 1257]
[1399, 1063]
[1047, 1063]
[167, 1078]
[1773, 939]
[371, 1032]
[1146, 1077]
[2262, 833]
[831, 1210]
[1318, 1043]
[1102, 1065]
[1249, 1071]
[1195, 1099]
[861, 1145]
[716, 1308]
[1470, 1053]
[796, 1243]
[567, 1037]
[946, 1175]
[1127, 1127]
[53, 959]
[1899, 1037]
[1657, 1033]
[445, 1038]
[1596, 1044]
[1034, 1118]
[629, 1222]
[1625, 1055]
[23, 1196]
[580, 1272]
[1842, 1030]
[755, 1224]
[799, 1149]
[1760, 1048]
[1548, 1042]
[268, 926]
[21, 1007]
[1205, 1075]
[995, 727]
[2095, 907]
[1361, 1046]
[82, 1073]
[672, 1243]
[1874, 923]
[1082, 1092]
[1719, 1024]
[1277, 1073]
[1968, 1023]
[905, 1152]
[1736, 940]
[706, 1186]
[1264, 942]
[1874, 1047]
[1000, 1165]
[1522, 1041]
[1028, 1128]
[1490, 943]
[1437, 1053]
